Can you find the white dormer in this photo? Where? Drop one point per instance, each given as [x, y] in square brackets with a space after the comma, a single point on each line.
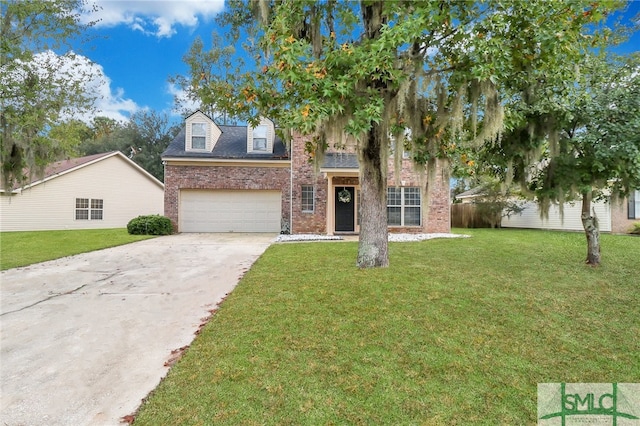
[202, 133]
[260, 138]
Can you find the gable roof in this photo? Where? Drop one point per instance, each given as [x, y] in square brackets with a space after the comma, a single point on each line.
[232, 144]
[63, 167]
[474, 192]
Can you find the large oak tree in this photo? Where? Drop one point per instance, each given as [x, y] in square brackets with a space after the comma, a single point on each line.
[583, 138]
[427, 75]
[40, 83]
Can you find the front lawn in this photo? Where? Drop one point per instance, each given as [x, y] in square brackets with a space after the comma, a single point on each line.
[455, 331]
[25, 248]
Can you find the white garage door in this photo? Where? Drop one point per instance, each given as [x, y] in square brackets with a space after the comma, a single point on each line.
[230, 211]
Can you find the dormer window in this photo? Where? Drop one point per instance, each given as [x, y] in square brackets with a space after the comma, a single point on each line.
[260, 138]
[198, 135]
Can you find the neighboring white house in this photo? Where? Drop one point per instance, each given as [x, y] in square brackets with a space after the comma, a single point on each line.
[98, 191]
[570, 221]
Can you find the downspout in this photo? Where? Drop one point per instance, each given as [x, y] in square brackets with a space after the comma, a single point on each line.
[291, 186]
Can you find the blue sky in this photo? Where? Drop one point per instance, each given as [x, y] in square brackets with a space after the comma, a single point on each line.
[139, 44]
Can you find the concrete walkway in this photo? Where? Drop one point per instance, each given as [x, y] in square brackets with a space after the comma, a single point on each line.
[85, 338]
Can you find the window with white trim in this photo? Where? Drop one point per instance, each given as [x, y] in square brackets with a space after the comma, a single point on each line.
[634, 205]
[308, 198]
[198, 135]
[89, 209]
[403, 206]
[260, 138]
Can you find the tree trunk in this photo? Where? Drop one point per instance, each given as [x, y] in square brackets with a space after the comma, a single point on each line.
[373, 241]
[590, 225]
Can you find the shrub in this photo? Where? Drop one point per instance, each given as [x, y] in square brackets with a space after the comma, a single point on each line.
[635, 229]
[150, 225]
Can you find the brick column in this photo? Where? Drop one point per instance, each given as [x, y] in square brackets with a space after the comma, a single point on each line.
[439, 208]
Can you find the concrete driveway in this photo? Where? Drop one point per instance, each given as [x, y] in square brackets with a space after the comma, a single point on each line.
[86, 338]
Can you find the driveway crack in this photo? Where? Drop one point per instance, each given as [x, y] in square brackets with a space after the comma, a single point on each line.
[54, 295]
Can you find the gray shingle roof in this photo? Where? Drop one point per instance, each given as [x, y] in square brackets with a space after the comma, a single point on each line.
[231, 145]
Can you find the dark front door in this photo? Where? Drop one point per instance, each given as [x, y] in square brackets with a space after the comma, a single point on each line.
[345, 209]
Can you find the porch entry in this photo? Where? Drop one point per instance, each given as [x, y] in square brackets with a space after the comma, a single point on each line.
[345, 208]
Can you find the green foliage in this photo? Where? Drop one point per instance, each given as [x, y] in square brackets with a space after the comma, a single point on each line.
[37, 86]
[143, 139]
[150, 225]
[584, 135]
[496, 201]
[433, 74]
[636, 228]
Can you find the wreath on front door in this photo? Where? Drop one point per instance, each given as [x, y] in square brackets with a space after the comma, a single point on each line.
[344, 196]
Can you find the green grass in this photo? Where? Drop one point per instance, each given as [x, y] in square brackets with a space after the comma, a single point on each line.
[25, 248]
[455, 331]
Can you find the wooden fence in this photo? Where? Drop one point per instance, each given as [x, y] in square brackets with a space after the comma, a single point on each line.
[466, 216]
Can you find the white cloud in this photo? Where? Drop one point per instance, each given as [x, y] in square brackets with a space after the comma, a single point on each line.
[108, 102]
[158, 18]
[68, 72]
[183, 103]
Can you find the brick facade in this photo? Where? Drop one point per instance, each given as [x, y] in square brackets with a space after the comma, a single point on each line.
[289, 178]
[303, 173]
[620, 222]
[222, 177]
[435, 218]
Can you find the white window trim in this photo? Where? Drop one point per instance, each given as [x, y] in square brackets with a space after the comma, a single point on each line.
[89, 209]
[270, 137]
[402, 208]
[313, 198]
[191, 136]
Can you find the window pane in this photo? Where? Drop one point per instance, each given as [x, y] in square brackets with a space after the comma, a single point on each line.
[198, 142]
[198, 129]
[394, 216]
[198, 136]
[82, 214]
[96, 214]
[259, 144]
[96, 204]
[411, 196]
[260, 132]
[260, 138]
[307, 198]
[82, 203]
[394, 196]
[411, 216]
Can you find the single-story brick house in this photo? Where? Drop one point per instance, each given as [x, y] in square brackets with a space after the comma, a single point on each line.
[244, 179]
[97, 191]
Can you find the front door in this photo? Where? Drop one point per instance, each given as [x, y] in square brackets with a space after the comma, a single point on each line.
[345, 208]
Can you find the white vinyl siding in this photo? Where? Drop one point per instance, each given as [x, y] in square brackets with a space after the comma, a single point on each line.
[572, 221]
[125, 193]
[201, 133]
